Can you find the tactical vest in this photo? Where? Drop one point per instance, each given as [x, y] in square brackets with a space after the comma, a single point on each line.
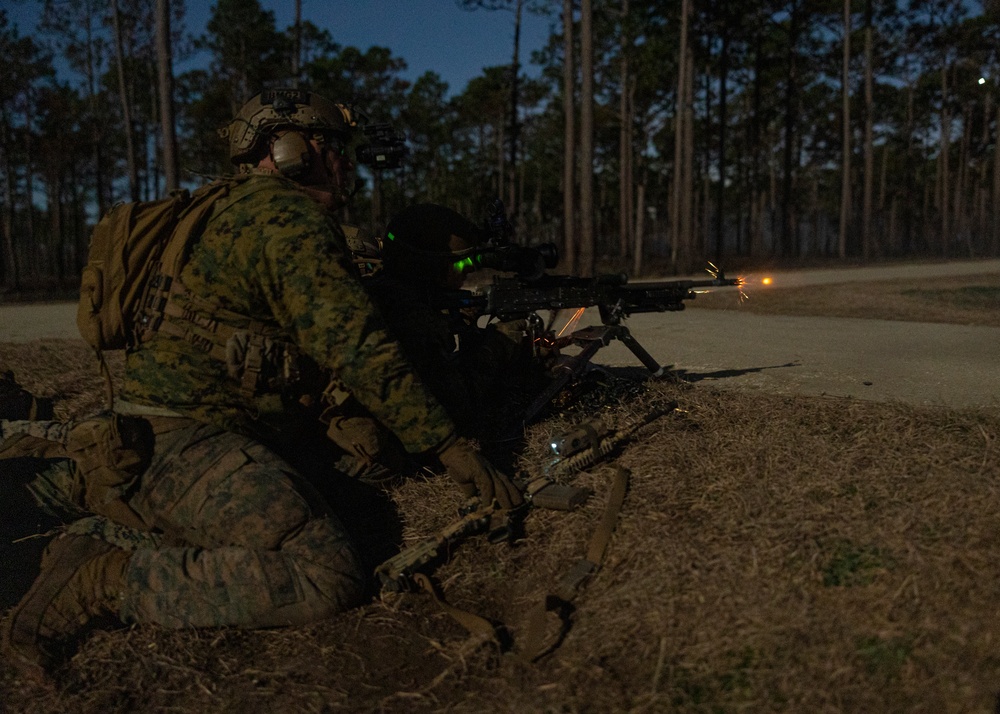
[131, 289]
[258, 354]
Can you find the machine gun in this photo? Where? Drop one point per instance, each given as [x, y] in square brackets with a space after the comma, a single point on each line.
[532, 290]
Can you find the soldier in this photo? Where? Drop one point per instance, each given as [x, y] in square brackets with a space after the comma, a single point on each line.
[473, 371]
[268, 290]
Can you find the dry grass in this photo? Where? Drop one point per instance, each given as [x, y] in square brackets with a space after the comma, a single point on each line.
[967, 300]
[773, 554]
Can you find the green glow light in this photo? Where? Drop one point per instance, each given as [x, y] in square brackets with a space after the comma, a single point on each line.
[391, 236]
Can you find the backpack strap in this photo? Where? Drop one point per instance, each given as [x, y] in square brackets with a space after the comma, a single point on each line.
[190, 225]
[247, 346]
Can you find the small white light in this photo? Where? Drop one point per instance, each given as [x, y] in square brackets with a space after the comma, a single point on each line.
[982, 80]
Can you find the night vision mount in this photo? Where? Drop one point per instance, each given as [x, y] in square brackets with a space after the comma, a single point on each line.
[501, 253]
[384, 149]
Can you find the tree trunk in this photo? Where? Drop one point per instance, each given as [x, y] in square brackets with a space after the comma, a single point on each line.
[688, 211]
[164, 61]
[640, 225]
[961, 203]
[909, 169]
[995, 239]
[893, 238]
[680, 115]
[501, 165]
[297, 44]
[788, 243]
[867, 233]
[624, 142]
[130, 157]
[515, 122]
[587, 257]
[756, 218]
[943, 163]
[982, 209]
[56, 239]
[35, 249]
[720, 202]
[845, 114]
[95, 121]
[569, 141]
[11, 275]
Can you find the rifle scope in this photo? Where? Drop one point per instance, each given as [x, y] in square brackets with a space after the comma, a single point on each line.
[529, 262]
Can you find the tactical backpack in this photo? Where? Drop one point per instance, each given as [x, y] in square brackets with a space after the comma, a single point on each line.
[128, 246]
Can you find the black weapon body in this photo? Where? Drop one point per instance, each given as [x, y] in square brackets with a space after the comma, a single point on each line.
[615, 297]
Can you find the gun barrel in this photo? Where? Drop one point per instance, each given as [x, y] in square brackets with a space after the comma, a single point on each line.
[514, 297]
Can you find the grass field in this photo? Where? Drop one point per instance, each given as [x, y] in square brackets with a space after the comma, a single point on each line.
[773, 554]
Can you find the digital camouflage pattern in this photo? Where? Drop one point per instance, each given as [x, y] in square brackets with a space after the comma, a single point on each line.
[246, 541]
[269, 252]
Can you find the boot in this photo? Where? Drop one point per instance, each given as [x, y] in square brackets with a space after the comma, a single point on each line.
[82, 578]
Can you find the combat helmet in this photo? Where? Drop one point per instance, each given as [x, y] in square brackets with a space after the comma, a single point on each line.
[275, 109]
[426, 241]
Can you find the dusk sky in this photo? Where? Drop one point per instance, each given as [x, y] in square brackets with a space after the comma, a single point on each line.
[432, 35]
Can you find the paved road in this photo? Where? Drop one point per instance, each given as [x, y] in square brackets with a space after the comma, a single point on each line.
[883, 360]
[22, 323]
[918, 363]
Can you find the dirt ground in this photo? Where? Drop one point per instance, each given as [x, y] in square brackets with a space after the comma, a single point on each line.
[774, 553]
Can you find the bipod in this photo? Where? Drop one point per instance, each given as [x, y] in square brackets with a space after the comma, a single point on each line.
[590, 340]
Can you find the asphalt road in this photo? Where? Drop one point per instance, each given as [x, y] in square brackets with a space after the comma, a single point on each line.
[913, 362]
[879, 360]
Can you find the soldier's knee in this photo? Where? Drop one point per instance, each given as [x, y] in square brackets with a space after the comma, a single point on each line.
[266, 512]
[330, 573]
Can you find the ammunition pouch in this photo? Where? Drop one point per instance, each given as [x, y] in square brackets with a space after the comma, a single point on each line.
[258, 355]
[109, 454]
[260, 363]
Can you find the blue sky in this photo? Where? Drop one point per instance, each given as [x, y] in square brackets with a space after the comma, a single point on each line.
[432, 35]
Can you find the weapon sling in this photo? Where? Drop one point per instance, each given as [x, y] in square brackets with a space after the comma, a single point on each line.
[573, 581]
[559, 598]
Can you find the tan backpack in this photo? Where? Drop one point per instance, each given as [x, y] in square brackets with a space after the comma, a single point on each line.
[133, 242]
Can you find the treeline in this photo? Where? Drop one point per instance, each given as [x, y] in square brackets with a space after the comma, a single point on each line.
[658, 134]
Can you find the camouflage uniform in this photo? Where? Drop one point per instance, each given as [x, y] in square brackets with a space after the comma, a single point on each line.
[258, 547]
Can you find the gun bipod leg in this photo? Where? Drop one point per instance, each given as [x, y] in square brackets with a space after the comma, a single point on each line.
[639, 351]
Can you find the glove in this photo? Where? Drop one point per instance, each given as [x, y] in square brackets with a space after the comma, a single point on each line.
[477, 476]
[513, 330]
